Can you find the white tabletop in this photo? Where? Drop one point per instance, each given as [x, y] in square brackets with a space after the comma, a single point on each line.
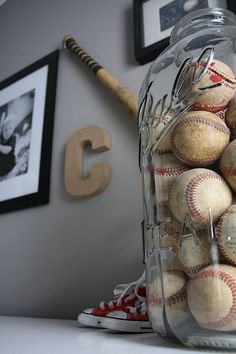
[42, 336]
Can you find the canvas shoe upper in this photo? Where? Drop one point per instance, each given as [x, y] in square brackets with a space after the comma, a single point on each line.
[125, 295]
[132, 320]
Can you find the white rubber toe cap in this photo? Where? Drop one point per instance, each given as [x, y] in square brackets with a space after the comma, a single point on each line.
[88, 311]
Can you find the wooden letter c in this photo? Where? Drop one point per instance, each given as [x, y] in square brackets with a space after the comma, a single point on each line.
[100, 173]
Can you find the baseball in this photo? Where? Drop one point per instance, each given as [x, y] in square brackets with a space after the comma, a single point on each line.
[222, 114]
[199, 138]
[166, 169]
[175, 298]
[226, 235]
[217, 98]
[196, 191]
[230, 116]
[228, 164]
[195, 253]
[212, 297]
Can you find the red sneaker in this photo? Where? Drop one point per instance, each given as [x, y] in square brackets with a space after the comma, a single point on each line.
[125, 295]
[131, 320]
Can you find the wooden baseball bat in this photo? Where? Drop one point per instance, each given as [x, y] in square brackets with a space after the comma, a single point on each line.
[124, 95]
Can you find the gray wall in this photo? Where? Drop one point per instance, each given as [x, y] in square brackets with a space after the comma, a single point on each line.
[57, 259]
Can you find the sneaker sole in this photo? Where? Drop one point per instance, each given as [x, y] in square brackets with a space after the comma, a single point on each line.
[90, 320]
[123, 325]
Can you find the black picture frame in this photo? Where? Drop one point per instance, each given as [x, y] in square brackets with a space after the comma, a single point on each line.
[149, 52]
[27, 104]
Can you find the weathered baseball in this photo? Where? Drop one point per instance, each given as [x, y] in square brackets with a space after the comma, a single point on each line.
[212, 297]
[166, 169]
[230, 116]
[196, 191]
[228, 164]
[199, 138]
[195, 253]
[222, 114]
[216, 98]
[175, 298]
[226, 235]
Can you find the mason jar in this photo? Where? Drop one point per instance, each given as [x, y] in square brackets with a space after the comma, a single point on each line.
[187, 157]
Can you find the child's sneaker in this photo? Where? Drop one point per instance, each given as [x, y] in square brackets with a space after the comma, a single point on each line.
[132, 320]
[124, 295]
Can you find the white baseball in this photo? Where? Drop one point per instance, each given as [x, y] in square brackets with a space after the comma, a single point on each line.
[217, 98]
[228, 164]
[195, 253]
[226, 235]
[199, 138]
[212, 297]
[166, 169]
[174, 284]
[195, 192]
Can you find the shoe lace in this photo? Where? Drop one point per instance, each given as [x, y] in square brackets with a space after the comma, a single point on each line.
[129, 290]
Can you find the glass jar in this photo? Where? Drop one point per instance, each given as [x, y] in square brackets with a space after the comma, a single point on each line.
[187, 157]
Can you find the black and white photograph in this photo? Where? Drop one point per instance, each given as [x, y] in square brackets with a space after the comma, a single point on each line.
[155, 19]
[27, 101]
[171, 13]
[15, 135]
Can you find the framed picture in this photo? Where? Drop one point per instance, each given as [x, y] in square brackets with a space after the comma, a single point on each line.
[27, 102]
[155, 19]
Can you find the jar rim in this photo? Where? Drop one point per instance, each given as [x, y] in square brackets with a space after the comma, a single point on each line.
[217, 17]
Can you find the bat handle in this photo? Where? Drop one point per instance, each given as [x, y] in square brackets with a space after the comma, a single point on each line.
[126, 97]
[70, 44]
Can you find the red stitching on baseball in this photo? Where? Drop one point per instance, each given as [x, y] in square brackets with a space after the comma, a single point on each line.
[216, 78]
[229, 80]
[192, 270]
[231, 283]
[192, 189]
[176, 298]
[169, 171]
[208, 107]
[231, 171]
[221, 114]
[196, 119]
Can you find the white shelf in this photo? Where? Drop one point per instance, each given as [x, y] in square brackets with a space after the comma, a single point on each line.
[42, 336]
